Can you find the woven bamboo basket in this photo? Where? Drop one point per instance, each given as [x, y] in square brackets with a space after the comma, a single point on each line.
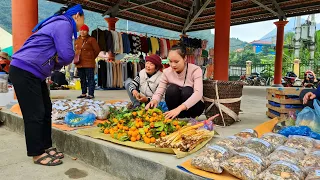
[226, 90]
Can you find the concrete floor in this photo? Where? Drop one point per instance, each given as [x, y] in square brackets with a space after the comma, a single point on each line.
[15, 165]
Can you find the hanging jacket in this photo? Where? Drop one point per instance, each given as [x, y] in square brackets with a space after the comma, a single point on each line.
[37, 55]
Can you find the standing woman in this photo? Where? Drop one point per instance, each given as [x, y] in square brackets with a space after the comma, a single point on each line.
[88, 49]
[49, 48]
[182, 85]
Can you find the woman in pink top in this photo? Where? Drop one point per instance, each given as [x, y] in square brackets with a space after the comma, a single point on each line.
[182, 85]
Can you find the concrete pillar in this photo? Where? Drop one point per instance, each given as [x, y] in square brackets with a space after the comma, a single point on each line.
[112, 27]
[222, 39]
[24, 19]
[296, 67]
[279, 50]
[111, 23]
[248, 68]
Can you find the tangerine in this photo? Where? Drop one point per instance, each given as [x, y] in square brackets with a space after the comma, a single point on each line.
[133, 139]
[153, 140]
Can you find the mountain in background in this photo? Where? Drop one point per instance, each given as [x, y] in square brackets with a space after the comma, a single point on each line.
[93, 20]
[290, 27]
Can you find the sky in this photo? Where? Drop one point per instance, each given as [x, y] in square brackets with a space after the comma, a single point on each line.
[255, 31]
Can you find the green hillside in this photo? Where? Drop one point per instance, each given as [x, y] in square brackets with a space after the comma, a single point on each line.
[93, 20]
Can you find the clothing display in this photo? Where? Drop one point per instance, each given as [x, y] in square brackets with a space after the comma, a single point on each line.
[114, 74]
[121, 42]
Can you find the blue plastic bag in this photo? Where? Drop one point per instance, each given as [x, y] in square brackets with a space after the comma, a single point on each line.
[163, 106]
[75, 120]
[295, 130]
[310, 117]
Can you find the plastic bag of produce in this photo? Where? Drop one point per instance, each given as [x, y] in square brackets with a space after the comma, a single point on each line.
[290, 120]
[210, 159]
[285, 153]
[311, 160]
[247, 134]
[103, 112]
[256, 146]
[75, 120]
[275, 139]
[313, 174]
[300, 142]
[310, 117]
[282, 170]
[245, 166]
[231, 142]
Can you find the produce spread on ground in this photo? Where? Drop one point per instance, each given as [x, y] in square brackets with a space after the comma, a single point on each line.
[151, 127]
[287, 153]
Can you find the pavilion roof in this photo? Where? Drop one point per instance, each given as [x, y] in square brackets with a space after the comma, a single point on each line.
[173, 14]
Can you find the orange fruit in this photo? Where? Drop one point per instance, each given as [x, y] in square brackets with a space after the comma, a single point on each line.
[168, 120]
[106, 131]
[148, 134]
[178, 127]
[154, 114]
[125, 128]
[146, 130]
[138, 137]
[147, 118]
[163, 134]
[133, 128]
[175, 123]
[147, 140]
[130, 133]
[152, 125]
[115, 128]
[153, 140]
[134, 113]
[135, 134]
[151, 119]
[141, 124]
[133, 139]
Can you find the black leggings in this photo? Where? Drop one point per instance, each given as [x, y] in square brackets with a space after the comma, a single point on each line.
[35, 104]
[176, 95]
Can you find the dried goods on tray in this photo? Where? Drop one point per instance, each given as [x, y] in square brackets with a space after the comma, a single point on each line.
[256, 146]
[231, 142]
[245, 166]
[186, 139]
[313, 174]
[274, 139]
[311, 160]
[285, 153]
[300, 142]
[247, 134]
[282, 170]
[211, 159]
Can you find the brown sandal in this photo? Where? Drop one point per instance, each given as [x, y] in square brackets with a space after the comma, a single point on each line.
[49, 163]
[55, 155]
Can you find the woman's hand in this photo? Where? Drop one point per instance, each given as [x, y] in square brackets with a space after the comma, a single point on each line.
[135, 94]
[152, 104]
[175, 112]
[308, 96]
[142, 98]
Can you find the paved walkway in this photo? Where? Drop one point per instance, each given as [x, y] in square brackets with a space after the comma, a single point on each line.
[15, 165]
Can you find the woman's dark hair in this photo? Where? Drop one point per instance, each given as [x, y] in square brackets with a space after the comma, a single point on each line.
[65, 8]
[181, 49]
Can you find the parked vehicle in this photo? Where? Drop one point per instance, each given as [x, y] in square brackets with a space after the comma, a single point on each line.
[253, 80]
[291, 80]
[310, 80]
[246, 80]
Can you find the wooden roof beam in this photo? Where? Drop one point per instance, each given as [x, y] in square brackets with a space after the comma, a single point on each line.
[114, 11]
[282, 15]
[194, 13]
[151, 2]
[266, 7]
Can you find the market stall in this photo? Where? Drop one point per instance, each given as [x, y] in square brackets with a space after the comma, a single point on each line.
[273, 150]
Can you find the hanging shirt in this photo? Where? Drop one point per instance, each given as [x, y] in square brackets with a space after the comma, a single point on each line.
[115, 41]
[163, 48]
[155, 45]
[149, 45]
[136, 44]
[120, 43]
[144, 45]
[168, 45]
[126, 43]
